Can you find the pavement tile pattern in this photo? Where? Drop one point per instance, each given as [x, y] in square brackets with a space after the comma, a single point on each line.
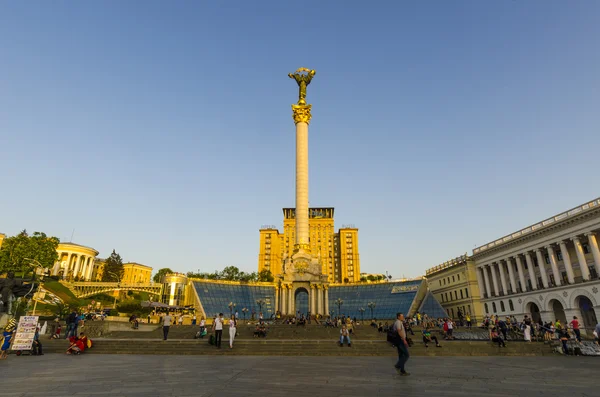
[154, 375]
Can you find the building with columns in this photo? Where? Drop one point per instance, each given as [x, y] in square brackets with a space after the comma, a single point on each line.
[2, 237]
[135, 273]
[454, 285]
[548, 271]
[75, 262]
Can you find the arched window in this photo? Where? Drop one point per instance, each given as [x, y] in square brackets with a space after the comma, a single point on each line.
[487, 311]
[502, 306]
[511, 306]
[494, 307]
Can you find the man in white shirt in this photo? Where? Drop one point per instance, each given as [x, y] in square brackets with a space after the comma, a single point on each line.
[401, 344]
[218, 328]
[166, 325]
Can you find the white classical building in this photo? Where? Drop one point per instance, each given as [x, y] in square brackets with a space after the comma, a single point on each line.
[548, 271]
[75, 262]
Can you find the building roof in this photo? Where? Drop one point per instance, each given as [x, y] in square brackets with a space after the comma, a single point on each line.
[136, 264]
[79, 246]
[590, 205]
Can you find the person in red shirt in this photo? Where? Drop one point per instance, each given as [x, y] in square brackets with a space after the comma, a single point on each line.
[575, 326]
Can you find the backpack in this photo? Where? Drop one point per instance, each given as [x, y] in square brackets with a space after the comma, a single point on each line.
[89, 343]
[211, 340]
[392, 336]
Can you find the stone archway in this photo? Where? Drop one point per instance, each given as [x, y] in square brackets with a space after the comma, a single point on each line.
[587, 317]
[559, 311]
[534, 310]
[301, 301]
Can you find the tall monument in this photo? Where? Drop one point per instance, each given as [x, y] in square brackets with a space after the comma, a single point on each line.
[302, 270]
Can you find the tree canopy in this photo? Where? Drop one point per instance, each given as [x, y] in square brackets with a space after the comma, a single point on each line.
[113, 266]
[160, 274]
[21, 252]
[232, 273]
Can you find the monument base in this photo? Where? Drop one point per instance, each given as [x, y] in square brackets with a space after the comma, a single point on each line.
[302, 274]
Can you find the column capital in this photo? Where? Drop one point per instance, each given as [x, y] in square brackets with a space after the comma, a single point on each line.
[549, 247]
[575, 239]
[537, 250]
[561, 242]
[590, 233]
[301, 113]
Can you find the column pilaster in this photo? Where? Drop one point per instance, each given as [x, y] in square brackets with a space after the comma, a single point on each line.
[326, 301]
[595, 251]
[277, 300]
[554, 265]
[511, 276]
[478, 273]
[312, 299]
[542, 267]
[502, 278]
[319, 300]
[486, 277]
[494, 280]
[531, 271]
[583, 266]
[67, 266]
[291, 306]
[567, 261]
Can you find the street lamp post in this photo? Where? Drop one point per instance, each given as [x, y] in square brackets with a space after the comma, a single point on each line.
[260, 304]
[231, 306]
[339, 303]
[371, 305]
[115, 275]
[362, 314]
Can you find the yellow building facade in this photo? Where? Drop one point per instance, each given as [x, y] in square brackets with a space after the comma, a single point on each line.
[75, 262]
[135, 273]
[2, 236]
[454, 284]
[337, 252]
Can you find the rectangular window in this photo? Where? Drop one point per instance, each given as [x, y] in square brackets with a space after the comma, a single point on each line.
[559, 256]
[453, 279]
[458, 277]
[461, 294]
[586, 248]
[547, 259]
[467, 294]
[440, 282]
[456, 295]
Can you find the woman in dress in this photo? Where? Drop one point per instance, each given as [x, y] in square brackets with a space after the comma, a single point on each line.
[527, 333]
[232, 330]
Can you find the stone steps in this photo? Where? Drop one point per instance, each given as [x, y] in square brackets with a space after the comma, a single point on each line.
[299, 348]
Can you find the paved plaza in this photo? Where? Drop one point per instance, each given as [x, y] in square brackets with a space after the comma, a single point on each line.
[148, 375]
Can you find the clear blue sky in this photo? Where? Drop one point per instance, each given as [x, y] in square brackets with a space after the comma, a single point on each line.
[164, 129]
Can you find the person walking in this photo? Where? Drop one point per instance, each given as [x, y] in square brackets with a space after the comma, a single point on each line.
[218, 328]
[232, 330]
[575, 326]
[166, 325]
[401, 344]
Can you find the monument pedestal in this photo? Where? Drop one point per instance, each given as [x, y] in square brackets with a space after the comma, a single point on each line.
[302, 273]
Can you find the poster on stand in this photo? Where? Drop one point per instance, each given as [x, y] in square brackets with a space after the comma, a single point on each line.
[23, 338]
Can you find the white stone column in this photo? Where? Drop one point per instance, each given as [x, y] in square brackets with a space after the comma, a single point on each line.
[531, 270]
[595, 251]
[521, 273]
[284, 297]
[319, 300]
[567, 262]
[326, 301]
[67, 266]
[583, 266]
[91, 269]
[542, 267]
[277, 300]
[502, 277]
[511, 275]
[494, 280]
[478, 272]
[554, 265]
[291, 310]
[301, 183]
[312, 299]
[486, 277]
[76, 265]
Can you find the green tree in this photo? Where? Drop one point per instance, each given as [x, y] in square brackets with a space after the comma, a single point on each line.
[20, 251]
[160, 274]
[113, 265]
[370, 277]
[230, 273]
[265, 275]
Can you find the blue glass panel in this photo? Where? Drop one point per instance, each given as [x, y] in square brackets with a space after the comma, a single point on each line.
[432, 307]
[215, 298]
[389, 299]
[301, 301]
